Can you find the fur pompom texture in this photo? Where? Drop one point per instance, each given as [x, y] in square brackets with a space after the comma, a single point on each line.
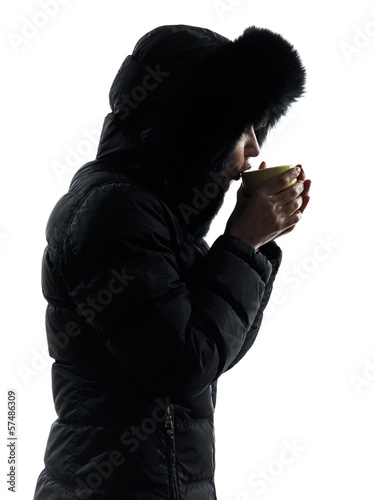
[258, 75]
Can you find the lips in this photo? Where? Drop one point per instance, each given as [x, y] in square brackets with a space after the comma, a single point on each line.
[247, 167]
[246, 164]
[238, 175]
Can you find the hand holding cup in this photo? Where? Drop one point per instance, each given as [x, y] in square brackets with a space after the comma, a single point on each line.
[273, 207]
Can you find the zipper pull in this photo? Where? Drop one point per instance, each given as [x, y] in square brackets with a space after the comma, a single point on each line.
[169, 421]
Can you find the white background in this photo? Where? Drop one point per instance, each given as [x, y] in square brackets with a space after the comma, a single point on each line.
[308, 381]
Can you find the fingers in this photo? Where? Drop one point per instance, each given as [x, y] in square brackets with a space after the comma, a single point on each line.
[279, 183]
[293, 219]
[307, 186]
[241, 198]
[302, 176]
[286, 231]
[274, 209]
[305, 194]
[306, 200]
[240, 194]
[291, 193]
[293, 206]
[299, 203]
[307, 182]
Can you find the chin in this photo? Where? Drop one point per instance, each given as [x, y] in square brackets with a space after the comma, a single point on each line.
[227, 187]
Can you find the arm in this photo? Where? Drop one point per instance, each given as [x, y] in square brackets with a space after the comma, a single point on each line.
[165, 336]
[274, 255]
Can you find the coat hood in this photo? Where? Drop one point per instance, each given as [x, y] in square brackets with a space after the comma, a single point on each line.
[181, 101]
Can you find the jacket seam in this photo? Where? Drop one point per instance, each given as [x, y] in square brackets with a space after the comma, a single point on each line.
[204, 479]
[76, 426]
[205, 417]
[68, 489]
[244, 257]
[196, 420]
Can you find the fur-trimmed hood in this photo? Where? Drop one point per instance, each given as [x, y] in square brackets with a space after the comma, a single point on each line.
[182, 100]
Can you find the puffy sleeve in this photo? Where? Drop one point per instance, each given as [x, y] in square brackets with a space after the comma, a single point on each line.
[119, 265]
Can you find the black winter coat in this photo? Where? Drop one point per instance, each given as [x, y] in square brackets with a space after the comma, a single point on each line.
[142, 316]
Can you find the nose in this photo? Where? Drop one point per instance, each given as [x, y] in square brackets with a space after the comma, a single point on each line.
[251, 147]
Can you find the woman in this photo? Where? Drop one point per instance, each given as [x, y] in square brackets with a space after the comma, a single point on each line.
[143, 317]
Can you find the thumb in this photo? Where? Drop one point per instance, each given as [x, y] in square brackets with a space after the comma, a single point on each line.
[240, 192]
[262, 165]
[241, 197]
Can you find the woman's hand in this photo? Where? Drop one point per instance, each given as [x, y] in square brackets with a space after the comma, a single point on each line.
[265, 215]
[305, 196]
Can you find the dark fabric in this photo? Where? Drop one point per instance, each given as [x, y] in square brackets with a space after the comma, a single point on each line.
[142, 316]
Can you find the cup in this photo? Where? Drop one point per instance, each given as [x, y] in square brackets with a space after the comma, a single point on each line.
[253, 179]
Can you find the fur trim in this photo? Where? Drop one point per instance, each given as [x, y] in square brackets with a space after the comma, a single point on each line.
[259, 73]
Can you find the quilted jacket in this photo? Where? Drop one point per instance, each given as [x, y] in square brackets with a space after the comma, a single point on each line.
[142, 316]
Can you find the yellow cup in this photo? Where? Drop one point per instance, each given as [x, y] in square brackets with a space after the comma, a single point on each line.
[252, 180]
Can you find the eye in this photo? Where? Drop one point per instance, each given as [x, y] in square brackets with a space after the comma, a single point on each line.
[263, 124]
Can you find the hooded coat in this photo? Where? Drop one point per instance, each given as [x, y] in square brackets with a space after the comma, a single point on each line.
[142, 316]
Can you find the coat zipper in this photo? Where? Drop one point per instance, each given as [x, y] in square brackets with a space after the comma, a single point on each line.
[170, 447]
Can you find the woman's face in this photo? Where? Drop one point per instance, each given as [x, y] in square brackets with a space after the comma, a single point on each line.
[246, 148]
